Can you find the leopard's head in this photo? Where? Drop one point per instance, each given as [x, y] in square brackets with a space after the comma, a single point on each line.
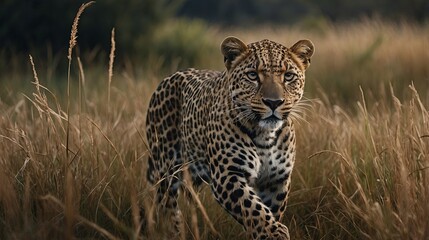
[266, 79]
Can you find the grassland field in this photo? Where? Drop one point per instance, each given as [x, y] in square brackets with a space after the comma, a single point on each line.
[73, 163]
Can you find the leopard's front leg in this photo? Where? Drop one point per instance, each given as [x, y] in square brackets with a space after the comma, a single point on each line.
[275, 196]
[274, 186]
[231, 189]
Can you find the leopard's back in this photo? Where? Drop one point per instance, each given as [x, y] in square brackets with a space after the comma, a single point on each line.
[180, 103]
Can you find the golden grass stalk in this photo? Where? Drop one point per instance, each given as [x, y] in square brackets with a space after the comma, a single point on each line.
[68, 184]
[72, 44]
[41, 103]
[39, 97]
[36, 78]
[81, 95]
[111, 61]
[110, 72]
[73, 35]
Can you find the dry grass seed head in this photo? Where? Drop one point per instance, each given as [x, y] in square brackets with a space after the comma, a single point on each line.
[73, 35]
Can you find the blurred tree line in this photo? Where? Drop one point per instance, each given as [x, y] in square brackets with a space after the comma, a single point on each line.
[245, 12]
[145, 26]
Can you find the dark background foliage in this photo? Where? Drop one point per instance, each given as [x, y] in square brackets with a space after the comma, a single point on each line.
[245, 12]
[33, 24]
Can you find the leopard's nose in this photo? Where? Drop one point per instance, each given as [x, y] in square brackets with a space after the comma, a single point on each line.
[273, 103]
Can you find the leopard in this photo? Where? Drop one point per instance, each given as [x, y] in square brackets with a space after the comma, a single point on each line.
[233, 130]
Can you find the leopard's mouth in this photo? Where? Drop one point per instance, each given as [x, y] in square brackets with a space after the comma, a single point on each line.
[271, 122]
[272, 118]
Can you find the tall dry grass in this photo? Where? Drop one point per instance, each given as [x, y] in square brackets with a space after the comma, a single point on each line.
[363, 176]
[362, 164]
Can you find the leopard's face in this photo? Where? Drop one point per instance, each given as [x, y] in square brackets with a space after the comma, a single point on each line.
[267, 80]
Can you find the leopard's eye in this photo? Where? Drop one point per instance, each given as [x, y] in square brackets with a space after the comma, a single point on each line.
[289, 76]
[252, 75]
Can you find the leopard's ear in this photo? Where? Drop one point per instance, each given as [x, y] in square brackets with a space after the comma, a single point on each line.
[303, 49]
[231, 48]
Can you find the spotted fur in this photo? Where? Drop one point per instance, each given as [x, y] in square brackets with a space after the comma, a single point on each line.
[233, 130]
